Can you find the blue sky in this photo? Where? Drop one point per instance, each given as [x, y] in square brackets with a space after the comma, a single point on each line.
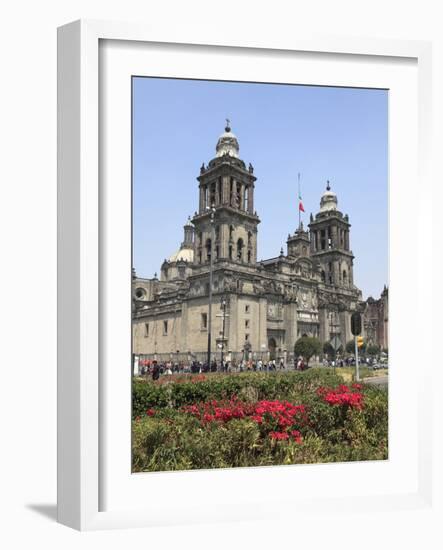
[340, 134]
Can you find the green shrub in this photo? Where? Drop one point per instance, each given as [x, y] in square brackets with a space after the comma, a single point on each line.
[174, 440]
[147, 394]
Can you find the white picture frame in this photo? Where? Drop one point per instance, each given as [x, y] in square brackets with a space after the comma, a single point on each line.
[81, 413]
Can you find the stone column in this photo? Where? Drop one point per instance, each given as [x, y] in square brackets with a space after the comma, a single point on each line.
[263, 333]
[224, 238]
[324, 325]
[242, 197]
[217, 191]
[345, 327]
[290, 326]
[334, 236]
[251, 198]
[225, 190]
[182, 342]
[202, 198]
[233, 323]
[336, 271]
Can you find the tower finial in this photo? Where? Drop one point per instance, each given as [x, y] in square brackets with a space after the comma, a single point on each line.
[328, 187]
[228, 125]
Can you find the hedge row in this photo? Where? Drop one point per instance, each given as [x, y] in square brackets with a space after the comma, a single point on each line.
[248, 386]
[173, 440]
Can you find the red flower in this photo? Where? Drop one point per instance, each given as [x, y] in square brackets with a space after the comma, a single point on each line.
[342, 396]
[296, 436]
[150, 412]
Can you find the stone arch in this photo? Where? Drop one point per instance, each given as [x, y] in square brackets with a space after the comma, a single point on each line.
[240, 246]
[272, 347]
[208, 249]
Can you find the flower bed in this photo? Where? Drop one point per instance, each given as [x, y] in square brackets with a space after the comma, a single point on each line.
[176, 391]
[309, 422]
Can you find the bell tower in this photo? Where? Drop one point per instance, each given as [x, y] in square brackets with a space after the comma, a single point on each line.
[227, 186]
[330, 245]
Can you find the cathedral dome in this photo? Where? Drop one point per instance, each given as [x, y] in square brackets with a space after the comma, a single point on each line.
[184, 254]
[227, 143]
[328, 200]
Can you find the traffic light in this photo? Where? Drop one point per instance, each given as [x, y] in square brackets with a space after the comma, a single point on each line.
[360, 341]
[356, 323]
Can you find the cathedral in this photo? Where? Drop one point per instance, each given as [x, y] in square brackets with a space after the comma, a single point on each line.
[257, 308]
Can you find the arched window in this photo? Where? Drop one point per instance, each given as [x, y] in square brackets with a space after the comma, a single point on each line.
[322, 239]
[230, 252]
[212, 195]
[345, 278]
[208, 249]
[330, 237]
[238, 197]
[240, 245]
[249, 256]
[231, 232]
[249, 238]
[323, 276]
[217, 252]
[330, 274]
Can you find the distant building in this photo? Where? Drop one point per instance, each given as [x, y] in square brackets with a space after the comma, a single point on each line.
[269, 304]
[376, 320]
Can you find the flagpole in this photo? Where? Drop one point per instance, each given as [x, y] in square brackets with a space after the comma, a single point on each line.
[299, 211]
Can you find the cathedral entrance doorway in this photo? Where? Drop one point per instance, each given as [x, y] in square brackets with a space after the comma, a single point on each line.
[272, 346]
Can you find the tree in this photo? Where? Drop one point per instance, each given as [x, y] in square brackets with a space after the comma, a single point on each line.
[307, 346]
[350, 346]
[328, 349]
[373, 349]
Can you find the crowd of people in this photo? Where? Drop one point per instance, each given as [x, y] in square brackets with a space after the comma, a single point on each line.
[155, 368]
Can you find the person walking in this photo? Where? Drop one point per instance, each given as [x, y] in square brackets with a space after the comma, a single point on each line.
[155, 371]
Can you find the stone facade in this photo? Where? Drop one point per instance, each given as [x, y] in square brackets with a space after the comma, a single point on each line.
[376, 320]
[269, 304]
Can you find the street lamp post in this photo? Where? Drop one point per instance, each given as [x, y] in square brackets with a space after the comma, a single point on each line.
[211, 267]
[333, 330]
[223, 305]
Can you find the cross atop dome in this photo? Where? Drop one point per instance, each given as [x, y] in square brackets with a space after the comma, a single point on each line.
[227, 143]
[329, 199]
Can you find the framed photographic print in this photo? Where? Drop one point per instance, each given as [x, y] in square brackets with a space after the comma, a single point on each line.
[238, 230]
